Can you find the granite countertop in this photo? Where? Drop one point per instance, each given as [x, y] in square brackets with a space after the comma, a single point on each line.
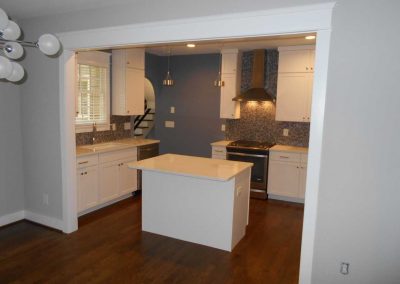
[84, 150]
[197, 167]
[223, 143]
[286, 148]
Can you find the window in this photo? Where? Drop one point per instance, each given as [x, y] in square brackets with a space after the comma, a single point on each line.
[92, 91]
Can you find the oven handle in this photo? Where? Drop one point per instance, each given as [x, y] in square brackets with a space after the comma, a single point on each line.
[247, 155]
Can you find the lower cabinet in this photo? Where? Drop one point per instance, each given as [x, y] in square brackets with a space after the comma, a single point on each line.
[287, 175]
[87, 188]
[106, 178]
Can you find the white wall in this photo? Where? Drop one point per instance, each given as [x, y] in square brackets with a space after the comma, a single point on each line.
[359, 174]
[11, 169]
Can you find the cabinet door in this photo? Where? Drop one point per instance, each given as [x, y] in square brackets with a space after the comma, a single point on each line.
[127, 178]
[135, 58]
[229, 108]
[302, 181]
[134, 91]
[229, 63]
[87, 188]
[283, 179]
[293, 95]
[310, 81]
[108, 181]
[311, 60]
[294, 61]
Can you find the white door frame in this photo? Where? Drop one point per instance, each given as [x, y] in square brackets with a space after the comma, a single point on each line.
[293, 20]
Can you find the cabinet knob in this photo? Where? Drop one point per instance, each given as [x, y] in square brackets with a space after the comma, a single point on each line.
[306, 68]
[127, 111]
[312, 68]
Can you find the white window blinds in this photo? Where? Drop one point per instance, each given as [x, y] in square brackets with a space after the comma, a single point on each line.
[93, 85]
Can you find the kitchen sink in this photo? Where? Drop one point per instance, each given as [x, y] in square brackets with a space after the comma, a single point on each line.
[102, 146]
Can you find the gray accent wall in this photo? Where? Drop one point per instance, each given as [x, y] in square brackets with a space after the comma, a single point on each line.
[196, 102]
[11, 166]
[357, 220]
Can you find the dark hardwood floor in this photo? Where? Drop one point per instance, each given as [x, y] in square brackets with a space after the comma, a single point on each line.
[110, 247]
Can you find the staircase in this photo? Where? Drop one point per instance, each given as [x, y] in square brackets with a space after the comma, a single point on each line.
[143, 124]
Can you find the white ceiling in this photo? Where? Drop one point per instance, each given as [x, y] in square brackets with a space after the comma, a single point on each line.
[24, 9]
[241, 44]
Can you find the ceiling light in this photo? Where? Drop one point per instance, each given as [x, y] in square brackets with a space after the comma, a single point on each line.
[191, 45]
[310, 37]
[13, 48]
[168, 81]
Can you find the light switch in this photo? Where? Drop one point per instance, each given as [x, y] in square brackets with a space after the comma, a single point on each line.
[285, 132]
[222, 127]
[172, 109]
[113, 126]
[127, 125]
[169, 123]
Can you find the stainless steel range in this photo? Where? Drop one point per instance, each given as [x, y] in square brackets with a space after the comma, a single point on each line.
[257, 153]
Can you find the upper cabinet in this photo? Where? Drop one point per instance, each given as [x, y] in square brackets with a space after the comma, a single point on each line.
[128, 81]
[295, 81]
[230, 76]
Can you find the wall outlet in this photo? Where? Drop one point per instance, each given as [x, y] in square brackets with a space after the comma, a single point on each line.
[344, 268]
[45, 199]
[172, 110]
[285, 132]
[223, 127]
[170, 124]
[113, 126]
[127, 125]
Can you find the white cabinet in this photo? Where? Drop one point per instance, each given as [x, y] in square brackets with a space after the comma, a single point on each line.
[87, 188]
[104, 177]
[295, 81]
[287, 175]
[218, 152]
[230, 76]
[128, 81]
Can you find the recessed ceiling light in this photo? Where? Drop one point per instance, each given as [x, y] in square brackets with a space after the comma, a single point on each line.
[191, 45]
[310, 37]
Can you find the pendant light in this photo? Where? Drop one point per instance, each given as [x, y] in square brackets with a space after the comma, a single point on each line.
[12, 48]
[218, 82]
[168, 81]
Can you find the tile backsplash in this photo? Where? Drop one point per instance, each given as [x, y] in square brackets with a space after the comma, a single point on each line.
[109, 135]
[257, 119]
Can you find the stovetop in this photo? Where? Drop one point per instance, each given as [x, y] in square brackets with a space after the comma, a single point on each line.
[248, 144]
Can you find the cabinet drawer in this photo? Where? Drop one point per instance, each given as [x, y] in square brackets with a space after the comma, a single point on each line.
[118, 155]
[86, 161]
[285, 156]
[219, 151]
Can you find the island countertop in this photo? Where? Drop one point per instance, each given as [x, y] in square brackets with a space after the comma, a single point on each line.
[198, 167]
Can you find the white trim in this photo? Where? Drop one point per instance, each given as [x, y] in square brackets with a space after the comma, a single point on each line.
[88, 127]
[292, 20]
[286, 198]
[97, 207]
[11, 218]
[44, 220]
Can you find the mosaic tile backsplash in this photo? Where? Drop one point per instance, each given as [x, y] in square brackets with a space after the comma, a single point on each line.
[257, 119]
[109, 135]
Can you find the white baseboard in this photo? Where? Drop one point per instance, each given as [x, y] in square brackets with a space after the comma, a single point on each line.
[44, 220]
[97, 207]
[286, 198]
[11, 218]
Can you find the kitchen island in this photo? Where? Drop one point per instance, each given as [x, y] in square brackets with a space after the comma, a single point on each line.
[200, 200]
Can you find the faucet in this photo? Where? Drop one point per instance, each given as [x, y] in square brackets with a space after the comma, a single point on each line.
[94, 130]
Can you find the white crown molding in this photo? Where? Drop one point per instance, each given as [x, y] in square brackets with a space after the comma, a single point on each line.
[267, 22]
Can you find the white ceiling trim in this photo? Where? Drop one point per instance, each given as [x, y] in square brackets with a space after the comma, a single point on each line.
[261, 23]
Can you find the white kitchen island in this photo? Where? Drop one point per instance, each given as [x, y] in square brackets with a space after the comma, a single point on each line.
[200, 200]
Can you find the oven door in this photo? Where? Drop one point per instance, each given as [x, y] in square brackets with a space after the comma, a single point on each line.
[259, 171]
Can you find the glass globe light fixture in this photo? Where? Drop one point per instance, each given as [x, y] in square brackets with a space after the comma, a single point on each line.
[12, 31]
[5, 67]
[13, 50]
[17, 73]
[3, 19]
[48, 44]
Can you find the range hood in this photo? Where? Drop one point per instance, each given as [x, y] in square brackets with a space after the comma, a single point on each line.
[257, 90]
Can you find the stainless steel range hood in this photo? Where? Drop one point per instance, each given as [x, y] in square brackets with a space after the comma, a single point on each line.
[256, 91]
